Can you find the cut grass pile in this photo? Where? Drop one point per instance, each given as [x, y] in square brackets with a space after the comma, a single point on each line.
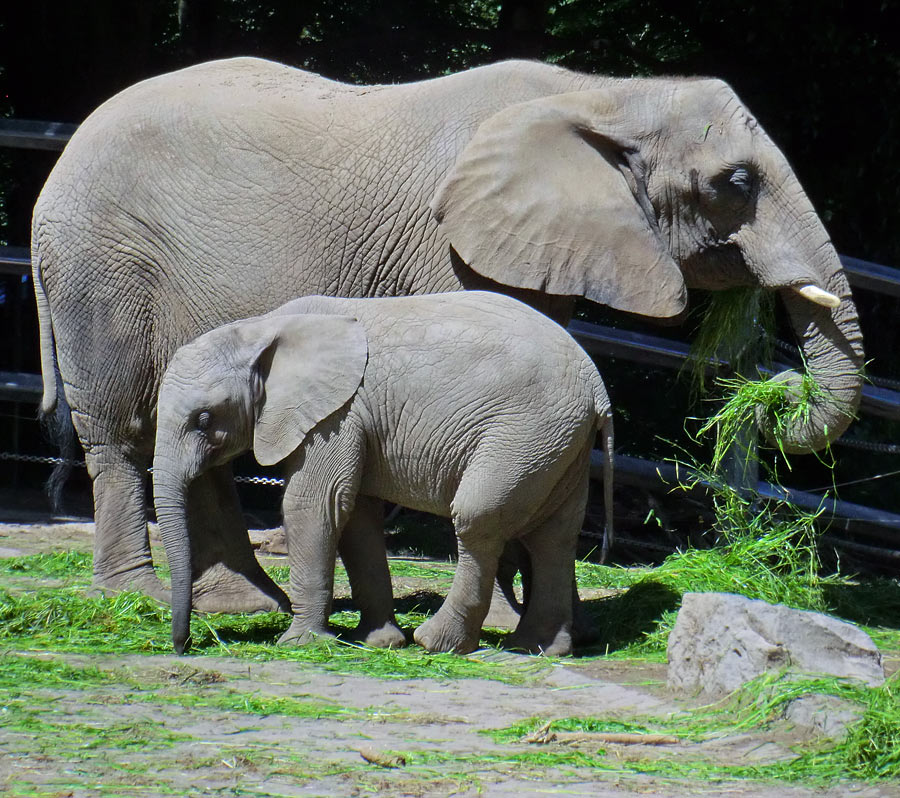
[65, 620]
[69, 565]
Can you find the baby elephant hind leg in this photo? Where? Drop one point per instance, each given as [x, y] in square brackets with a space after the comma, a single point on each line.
[546, 625]
[482, 528]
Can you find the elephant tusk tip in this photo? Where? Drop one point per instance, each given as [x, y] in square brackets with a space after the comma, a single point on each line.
[815, 294]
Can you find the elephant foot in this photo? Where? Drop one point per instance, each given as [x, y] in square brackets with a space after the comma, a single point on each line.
[388, 635]
[219, 589]
[299, 633]
[440, 633]
[584, 631]
[143, 580]
[548, 644]
[503, 613]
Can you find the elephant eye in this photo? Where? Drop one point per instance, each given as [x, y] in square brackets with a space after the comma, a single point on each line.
[734, 187]
[203, 421]
[742, 180]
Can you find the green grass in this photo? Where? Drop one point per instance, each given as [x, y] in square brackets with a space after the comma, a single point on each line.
[72, 565]
[257, 704]
[870, 751]
[79, 739]
[515, 732]
[736, 326]
[65, 620]
[409, 569]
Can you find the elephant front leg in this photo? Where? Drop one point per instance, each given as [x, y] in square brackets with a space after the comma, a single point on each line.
[228, 577]
[122, 559]
[364, 555]
[318, 501]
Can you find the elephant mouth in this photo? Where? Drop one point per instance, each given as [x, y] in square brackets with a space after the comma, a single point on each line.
[717, 268]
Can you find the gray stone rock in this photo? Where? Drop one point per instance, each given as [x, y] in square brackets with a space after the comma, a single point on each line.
[721, 641]
[823, 715]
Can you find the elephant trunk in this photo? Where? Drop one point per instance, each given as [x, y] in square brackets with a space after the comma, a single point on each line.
[170, 498]
[800, 261]
[832, 351]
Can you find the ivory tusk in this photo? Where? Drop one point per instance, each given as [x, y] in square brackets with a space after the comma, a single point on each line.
[817, 295]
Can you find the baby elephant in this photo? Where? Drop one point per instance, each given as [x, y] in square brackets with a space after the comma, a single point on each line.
[469, 405]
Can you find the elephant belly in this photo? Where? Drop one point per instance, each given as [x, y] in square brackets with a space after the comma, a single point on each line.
[413, 482]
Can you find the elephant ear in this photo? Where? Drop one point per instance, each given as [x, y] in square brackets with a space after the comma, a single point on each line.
[310, 367]
[551, 195]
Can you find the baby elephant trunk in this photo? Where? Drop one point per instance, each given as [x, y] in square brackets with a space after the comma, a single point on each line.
[169, 494]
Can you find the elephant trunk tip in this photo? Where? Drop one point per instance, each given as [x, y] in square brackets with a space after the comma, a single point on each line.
[808, 416]
[181, 633]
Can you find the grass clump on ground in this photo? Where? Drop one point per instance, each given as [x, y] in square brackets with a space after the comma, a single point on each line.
[870, 750]
[70, 565]
[66, 620]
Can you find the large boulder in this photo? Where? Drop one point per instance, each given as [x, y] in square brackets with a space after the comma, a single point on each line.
[721, 641]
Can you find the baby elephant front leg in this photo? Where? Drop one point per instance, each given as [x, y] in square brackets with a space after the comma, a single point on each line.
[317, 504]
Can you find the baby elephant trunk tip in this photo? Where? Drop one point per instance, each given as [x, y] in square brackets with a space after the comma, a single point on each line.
[181, 631]
[182, 644]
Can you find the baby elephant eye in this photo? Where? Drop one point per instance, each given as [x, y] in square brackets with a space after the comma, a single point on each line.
[203, 421]
[741, 179]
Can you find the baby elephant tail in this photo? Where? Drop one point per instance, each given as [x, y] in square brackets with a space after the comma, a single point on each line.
[605, 428]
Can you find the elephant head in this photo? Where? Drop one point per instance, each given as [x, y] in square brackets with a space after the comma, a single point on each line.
[263, 384]
[630, 193]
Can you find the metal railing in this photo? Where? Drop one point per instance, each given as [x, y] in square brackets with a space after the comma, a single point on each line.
[598, 340]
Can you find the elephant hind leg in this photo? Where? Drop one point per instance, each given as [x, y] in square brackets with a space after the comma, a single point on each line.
[228, 577]
[478, 509]
[122, 559]
[547, 623]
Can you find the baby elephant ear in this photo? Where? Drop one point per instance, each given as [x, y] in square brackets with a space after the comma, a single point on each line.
[551, 195]
[310, 368]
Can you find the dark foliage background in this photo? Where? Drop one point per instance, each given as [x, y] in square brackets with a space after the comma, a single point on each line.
[825, 84]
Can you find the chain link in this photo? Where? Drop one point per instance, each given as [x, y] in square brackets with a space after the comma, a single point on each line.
[274, 482]
[36, 458]
[868, 446]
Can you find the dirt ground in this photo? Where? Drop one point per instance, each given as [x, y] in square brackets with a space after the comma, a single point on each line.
[347, 741]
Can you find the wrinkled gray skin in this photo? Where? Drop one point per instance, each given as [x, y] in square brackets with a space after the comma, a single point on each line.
[468, 405]
[223, 190]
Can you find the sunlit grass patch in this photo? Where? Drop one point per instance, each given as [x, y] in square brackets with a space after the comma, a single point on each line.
[257, 704]
[78, 740]
[523, 728]
[590, 575]
[52, 565]
[870, 750]
[65, 620]
[18, 673]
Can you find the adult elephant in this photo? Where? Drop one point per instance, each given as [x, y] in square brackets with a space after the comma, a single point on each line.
[222, 190]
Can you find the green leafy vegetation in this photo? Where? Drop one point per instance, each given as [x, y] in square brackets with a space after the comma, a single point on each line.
[736, 327]
[19, 673]
[870, 750]
[63, 619]
[73, 565]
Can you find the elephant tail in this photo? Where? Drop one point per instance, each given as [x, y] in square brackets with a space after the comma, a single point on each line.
[53, 411]
[603, 409]
[49, 367]
[607, 443]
